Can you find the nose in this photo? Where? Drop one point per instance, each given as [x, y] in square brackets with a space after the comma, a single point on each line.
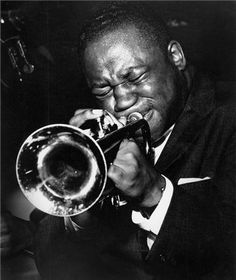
[124, 97]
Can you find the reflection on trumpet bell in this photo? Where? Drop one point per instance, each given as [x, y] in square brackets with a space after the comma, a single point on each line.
[63, 171]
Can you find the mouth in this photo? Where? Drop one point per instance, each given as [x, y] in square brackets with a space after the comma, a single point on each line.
[147, 113]
[147, 116]
[138, 115]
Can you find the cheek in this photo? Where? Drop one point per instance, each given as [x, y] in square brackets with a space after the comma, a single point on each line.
[162, 93]
[157, 124]
[147, 88]
[159, 118]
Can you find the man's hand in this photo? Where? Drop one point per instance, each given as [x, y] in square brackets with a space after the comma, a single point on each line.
[83, 115]
[15, 234]
[131, 172]
[135, 176]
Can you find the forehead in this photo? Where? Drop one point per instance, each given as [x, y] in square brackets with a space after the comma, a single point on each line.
[120, 49]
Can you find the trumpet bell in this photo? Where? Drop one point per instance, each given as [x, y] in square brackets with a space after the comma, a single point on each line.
[61, 170]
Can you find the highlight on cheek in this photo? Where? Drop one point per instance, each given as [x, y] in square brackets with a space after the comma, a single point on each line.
[147, 88]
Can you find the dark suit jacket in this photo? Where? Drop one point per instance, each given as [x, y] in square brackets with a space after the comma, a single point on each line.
[196, 240]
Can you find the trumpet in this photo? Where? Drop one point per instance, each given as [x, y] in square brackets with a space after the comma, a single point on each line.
[63, 171]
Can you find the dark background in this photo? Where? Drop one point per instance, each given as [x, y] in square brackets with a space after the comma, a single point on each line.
[56, 88]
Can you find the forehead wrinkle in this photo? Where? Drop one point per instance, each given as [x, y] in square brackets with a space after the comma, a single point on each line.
[115, 54]
[121, 59]
[116, 62]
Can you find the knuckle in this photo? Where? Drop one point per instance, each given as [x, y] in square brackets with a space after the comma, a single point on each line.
[78, 111]
[74, 120]
[116, 173]
[132, 192]
[130, 157]
[71, 121]
[124, 142]
[132, 144]
[80, 117]
[133, 170]
[86, 114]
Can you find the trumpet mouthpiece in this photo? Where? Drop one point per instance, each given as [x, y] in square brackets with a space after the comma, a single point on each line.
[134, 116]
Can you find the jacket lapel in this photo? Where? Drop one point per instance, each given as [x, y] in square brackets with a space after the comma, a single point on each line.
[190, 123]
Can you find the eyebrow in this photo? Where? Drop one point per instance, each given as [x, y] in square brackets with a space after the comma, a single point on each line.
[123, 75]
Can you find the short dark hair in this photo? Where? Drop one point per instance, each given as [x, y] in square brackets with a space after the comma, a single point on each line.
[119, 14]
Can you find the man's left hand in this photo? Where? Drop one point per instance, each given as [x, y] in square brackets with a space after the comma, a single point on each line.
[135, 177]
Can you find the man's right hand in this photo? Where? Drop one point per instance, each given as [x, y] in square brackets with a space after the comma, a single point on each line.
[83, 115]
[15, 234]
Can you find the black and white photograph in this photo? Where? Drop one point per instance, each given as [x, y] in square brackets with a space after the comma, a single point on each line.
[118, 140]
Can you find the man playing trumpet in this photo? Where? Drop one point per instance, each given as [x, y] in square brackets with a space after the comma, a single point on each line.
[179, 219]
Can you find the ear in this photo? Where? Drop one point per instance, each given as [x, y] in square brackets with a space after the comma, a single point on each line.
[176, 55]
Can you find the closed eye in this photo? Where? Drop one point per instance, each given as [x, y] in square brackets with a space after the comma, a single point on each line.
[101, 91]
[137, 79]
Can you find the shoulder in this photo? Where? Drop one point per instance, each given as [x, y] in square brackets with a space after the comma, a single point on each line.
[225, 108]
[212, 101]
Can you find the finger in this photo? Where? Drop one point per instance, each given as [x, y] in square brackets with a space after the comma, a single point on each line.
[123, 181]
[128, 157]
[124, 169]
[116, 174]
[123, 120]
[79, 111]
[82, 115]
[128, 146]
[113, 120]
[125, 160]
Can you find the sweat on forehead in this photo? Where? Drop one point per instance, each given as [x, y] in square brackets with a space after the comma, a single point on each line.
[119, 17]
[127, 35]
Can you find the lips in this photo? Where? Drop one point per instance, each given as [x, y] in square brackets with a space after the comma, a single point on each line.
[147, 115]
[143, 108]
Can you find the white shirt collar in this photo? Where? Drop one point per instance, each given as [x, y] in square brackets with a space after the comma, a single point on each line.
[158, 150]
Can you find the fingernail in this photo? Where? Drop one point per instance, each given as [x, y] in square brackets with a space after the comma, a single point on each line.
[123, 120]
[97, 112]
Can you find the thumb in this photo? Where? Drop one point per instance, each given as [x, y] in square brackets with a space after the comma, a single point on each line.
[116, 174]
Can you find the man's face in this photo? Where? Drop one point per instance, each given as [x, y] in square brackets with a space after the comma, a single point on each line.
[126, 74]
